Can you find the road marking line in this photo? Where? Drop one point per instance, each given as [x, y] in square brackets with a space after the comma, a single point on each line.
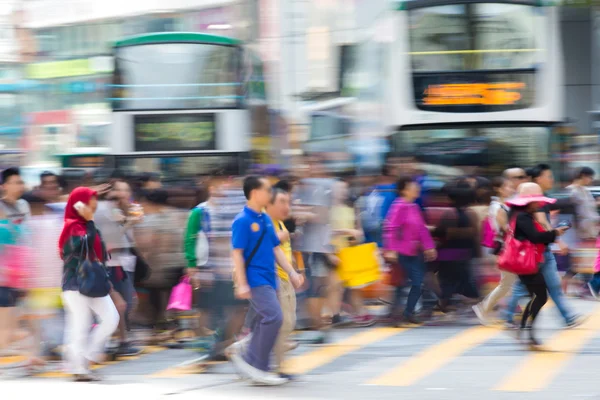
[435, 357]
[12, 359]
[324, 355]
[62, 374]
[176, 372]
[540, 368]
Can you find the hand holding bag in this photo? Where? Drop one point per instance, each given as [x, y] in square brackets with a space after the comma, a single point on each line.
[92, 275]
[181, 296]
[519, 257]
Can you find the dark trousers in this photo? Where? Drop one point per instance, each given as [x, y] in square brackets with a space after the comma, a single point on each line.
[265, 326]
[456, 277]
[414, 267]
[536, 286]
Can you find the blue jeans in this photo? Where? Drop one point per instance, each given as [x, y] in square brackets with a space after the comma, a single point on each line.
[595, 282]
[265, 326]
[414, 266]
[550, 271]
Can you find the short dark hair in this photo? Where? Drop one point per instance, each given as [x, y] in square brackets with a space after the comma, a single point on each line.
[277, 192]
[283, 185]
[538, 170]
[118, 175]
[252, 183]
[9, 172]
[403, 182]
[498, 182]
[149, 177]
[48, 174]
[460, 193]
[157, 196]
[583, 172]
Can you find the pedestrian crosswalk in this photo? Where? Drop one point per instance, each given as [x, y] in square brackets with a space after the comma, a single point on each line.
[404, 357]
[408, 357]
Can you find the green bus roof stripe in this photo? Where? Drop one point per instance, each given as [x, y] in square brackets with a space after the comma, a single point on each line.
[189, 37]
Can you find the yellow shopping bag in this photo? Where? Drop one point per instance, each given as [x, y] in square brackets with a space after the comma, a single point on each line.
[360, 265]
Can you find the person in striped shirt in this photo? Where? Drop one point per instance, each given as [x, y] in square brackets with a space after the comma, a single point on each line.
[213, 278]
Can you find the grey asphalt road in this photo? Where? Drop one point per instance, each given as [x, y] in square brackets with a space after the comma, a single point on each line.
[451, 361]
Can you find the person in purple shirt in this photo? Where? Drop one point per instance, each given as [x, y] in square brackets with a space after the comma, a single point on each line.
[407, 236]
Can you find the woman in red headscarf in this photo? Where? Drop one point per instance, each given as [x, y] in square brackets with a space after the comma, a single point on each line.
[79, 226]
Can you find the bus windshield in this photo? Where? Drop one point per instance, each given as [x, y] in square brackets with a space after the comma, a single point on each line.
[171, 76]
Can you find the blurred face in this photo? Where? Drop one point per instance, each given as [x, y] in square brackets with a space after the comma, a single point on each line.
[517, 176]
[262, 195]
[546, 180]
[153, 185]
[50, 186]
[121, 191]
[49, 183]
[534, 207]
[411, 192]
[506, 190]
[587, 180]
[342, 192]
[93, 204]
[280, 208]
[14, 187]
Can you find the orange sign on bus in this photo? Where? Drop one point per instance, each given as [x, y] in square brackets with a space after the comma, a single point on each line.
[487, 94]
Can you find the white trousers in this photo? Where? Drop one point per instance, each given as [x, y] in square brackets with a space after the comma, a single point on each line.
[507, 280]
[83, 346]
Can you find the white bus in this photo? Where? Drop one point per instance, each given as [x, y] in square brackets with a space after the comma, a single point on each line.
[185, 104]
[465, 82]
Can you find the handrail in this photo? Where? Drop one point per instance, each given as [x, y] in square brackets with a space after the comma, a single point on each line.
[177, 85]
[482, 51]
[173, 98]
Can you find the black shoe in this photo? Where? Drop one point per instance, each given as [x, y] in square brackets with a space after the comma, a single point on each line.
[127, 350]
[218, 358]
[287, 376]
[86, 378]
[408, 320]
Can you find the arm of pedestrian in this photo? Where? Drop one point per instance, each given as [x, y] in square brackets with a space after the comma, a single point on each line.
[543, 219]
[242, 290]
[283, 261]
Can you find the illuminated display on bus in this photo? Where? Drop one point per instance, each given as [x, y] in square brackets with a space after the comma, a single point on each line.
[504, 93]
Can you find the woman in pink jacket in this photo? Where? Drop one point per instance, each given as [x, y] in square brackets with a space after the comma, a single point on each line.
[406, 234]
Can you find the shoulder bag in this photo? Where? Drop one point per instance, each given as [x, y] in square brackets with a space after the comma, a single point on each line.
[518, 257]
[258, 243]
[92, 275]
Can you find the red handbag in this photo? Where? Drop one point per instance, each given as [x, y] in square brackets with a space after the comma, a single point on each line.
[519, 257]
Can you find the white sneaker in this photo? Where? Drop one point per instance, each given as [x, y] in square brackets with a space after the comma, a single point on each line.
[268, 379]
[239, 346]
[592, 291]
[480, 314]
[257, 376]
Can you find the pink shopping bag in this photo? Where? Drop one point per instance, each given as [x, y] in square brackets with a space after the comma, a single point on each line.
[597, 264]
[17, 262]
[181, 296]
[487, 233]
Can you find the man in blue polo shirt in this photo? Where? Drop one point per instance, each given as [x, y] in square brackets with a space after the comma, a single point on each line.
[255, 251]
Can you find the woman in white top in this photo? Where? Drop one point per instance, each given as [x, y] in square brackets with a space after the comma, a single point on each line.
[498, 217]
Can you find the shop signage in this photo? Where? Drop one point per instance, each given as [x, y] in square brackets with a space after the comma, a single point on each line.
[69, 68]
[487, 94]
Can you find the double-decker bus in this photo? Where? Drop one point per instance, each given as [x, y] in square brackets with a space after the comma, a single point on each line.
[185, 104]
[468, 83]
